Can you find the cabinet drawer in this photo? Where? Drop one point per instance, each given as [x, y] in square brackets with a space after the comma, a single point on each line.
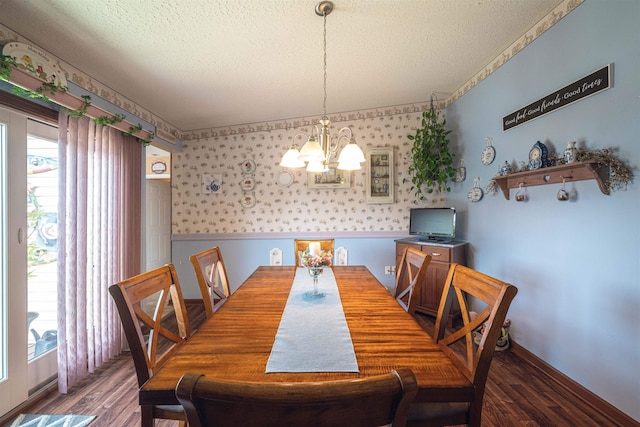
[438, 253]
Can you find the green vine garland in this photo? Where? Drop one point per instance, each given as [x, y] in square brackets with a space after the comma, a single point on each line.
[5, 70]
[135, 129]
[86, 102]
[106, 120]
[51, 89]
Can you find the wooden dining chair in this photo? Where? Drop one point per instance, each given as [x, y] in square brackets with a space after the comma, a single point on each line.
[155, 323]
[493, 298]
[301, 245]
[364, 402]
[212, 278]
[410, 277]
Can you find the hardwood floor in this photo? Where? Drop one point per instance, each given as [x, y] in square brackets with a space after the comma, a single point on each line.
[516, 394]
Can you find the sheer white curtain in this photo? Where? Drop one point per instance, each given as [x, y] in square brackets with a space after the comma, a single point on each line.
[99, 219]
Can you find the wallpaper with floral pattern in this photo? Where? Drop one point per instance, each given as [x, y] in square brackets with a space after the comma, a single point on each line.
[296, 208]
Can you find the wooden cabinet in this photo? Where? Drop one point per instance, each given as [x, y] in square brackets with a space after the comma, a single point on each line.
[442, 255]
[379, 170]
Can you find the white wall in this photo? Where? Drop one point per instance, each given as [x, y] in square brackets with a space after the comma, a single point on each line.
[575, 263]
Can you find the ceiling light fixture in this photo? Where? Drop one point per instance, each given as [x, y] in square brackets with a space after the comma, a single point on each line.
[317, 151]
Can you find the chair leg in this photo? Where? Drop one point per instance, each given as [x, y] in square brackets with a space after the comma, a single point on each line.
[146, 418]
[475, 415]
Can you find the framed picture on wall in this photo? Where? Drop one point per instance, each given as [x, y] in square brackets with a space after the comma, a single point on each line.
[333, 178]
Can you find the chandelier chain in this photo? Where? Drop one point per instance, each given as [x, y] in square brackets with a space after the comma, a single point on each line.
[324, 102]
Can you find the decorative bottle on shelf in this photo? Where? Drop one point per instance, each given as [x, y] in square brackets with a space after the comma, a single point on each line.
[570, 152]
[506, 168]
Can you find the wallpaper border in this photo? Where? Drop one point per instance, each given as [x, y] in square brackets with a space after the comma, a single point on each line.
[181, 237]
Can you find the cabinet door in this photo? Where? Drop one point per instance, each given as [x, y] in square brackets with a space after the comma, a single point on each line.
[380, 176]
[432, 288]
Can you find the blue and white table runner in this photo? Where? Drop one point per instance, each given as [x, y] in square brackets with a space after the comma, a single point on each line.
[313, 335]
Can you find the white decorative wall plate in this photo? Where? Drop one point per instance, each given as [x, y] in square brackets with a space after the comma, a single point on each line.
[247, 183]
[248, 166]
[248, 200]
[284, 179]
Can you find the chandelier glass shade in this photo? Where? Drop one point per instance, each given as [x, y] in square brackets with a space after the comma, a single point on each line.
[317, 151]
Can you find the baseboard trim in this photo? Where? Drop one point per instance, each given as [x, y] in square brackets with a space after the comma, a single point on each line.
[605, 408]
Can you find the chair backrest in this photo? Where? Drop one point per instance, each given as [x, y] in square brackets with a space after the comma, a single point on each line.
[410, 277]
[369, 402]
[301, 245]
[493, 297]
[212, 278]
[154, 317]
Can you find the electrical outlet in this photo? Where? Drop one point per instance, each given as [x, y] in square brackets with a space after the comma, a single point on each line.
[387, 269]
[393, 269]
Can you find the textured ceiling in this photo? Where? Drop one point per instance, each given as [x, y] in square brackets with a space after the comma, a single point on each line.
[203, 63]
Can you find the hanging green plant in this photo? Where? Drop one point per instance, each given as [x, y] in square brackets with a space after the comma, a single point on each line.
[432, 161]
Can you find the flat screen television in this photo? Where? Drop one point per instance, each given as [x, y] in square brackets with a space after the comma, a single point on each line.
[437, 224]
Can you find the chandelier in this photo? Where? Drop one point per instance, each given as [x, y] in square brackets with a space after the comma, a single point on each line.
[317, 150]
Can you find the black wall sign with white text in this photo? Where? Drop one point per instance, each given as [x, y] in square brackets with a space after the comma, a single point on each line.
[589, 85]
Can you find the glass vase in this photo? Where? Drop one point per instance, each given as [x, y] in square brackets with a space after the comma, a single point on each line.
[314, 272]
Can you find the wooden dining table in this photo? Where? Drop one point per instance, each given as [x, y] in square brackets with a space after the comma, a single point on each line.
[235, 343]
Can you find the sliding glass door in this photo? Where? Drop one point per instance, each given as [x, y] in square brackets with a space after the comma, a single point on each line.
[13, 260]
[28, 300]
[42, 251]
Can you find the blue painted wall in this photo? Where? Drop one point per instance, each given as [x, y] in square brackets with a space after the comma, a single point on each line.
[575, 263]
[243, 256]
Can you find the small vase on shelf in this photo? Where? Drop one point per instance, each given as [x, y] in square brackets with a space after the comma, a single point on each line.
[570, 152]
[505, 169]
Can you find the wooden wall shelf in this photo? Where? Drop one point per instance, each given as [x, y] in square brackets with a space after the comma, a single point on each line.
[578, 171]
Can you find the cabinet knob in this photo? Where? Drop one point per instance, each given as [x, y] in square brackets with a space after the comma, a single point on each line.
[435, 254]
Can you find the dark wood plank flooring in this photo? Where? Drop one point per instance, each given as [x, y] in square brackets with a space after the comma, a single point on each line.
[516, 394]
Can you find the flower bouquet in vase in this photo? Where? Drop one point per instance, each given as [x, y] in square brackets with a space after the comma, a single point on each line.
[315, 261]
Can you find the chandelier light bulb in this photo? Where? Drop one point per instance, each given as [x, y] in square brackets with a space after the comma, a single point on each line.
[291, 158]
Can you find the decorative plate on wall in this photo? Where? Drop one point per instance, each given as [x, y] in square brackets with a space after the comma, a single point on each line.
[476, 193]
[248, 200]
[284, 179]
[247, 183]
[489, 153]
[248, 166]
